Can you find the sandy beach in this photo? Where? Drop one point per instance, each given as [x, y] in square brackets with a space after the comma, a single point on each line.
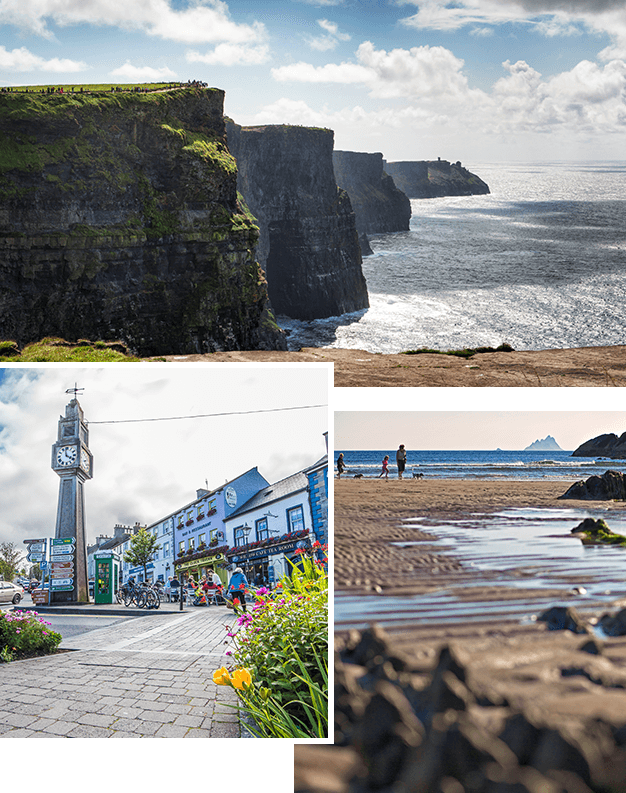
[585, 366]
[494, 684]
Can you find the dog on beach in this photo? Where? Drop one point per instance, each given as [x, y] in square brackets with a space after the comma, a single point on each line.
[358, 476]
[417, 476]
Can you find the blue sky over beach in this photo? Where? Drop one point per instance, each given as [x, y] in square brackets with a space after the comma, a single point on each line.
[471, 80]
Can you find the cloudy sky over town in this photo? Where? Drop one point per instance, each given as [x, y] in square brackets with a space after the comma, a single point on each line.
[144, 470]
[474, 80]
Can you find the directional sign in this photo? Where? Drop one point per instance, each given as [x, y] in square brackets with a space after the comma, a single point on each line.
[63, 551]
[35, 557]
[37, 547]
[57, 583]
[56, 566]
[29, 542]
[62, 588]
[69, 571]
[63, 541]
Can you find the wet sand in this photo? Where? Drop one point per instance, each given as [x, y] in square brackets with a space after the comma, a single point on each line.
[543, 674]
[584, 366]
[368, 515]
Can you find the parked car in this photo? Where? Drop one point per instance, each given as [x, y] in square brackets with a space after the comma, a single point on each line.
[10, 593]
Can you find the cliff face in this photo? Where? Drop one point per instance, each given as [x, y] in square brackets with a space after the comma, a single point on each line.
[120, 219]
[377, 203]
[308, 241]
[435, 178]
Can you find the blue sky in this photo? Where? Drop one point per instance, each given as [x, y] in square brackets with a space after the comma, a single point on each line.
[470, 80]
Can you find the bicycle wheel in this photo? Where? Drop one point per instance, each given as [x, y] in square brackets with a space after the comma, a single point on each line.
[151, 601]
[141, 599]
[128, 598]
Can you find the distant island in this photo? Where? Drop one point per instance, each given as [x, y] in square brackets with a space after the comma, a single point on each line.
[548, 444]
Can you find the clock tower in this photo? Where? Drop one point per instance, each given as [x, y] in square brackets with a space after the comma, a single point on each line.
[73, 462]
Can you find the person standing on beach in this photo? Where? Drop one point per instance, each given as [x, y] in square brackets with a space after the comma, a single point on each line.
[401, 460]
[385, 471]
[340, 465]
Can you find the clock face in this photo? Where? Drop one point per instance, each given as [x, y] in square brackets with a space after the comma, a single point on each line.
[67, 455]
[231, 496]
[84, 460]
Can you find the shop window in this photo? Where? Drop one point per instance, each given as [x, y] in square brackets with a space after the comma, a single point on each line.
[261, 529]
[295, 518]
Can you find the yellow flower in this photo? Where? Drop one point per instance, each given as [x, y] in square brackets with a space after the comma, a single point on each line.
[221, 677]
[241, 678]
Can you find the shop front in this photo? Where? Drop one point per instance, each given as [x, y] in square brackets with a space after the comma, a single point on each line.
[265, 565]
[202, 565]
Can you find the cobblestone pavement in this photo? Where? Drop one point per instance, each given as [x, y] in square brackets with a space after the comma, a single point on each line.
[142, 678]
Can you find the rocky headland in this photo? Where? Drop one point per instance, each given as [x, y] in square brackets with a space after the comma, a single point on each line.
[120, 220]
[378, 205]
[608, 445]
[308, 245]
[434, 179]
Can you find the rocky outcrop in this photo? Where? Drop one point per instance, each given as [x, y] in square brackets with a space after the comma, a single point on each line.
[120, 220]
[595, 531]
[443, 730]
[378, 205]
[608, 445]
[308, 243]
[611, 485]
[435, 178]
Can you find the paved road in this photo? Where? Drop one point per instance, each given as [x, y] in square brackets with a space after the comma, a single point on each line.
[71, 625]
[147, 677]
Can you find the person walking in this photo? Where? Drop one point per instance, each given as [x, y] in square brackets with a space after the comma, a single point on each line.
[401, 460]
[237, 587]
[340, 465]
[385, 471]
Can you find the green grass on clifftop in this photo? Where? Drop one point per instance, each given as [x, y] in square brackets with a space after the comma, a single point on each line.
[60, 351]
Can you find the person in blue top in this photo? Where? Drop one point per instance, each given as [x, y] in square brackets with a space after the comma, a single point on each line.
[237, 587]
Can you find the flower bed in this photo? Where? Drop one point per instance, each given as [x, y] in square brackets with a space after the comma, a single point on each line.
[24, 634]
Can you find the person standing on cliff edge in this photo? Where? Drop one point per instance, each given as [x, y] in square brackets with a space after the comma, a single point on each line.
[401, 460]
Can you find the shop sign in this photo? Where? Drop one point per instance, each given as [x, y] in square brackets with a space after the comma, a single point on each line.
[268, 550]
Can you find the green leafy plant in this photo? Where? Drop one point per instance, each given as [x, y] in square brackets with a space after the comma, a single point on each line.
[143, 548]
[282, 644]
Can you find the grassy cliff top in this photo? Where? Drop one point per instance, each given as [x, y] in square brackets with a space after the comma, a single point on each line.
[49, 100]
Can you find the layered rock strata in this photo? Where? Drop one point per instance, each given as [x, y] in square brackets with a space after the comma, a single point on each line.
[435, 178]
[308, 243]
[120, 220]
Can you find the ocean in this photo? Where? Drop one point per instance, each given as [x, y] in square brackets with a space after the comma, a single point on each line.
[539, 263]
[465, 464]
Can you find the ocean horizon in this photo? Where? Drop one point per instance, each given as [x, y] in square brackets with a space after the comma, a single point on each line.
[539, 263]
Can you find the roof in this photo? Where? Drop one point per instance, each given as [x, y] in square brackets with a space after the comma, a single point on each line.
[285, 487]
[321, 463]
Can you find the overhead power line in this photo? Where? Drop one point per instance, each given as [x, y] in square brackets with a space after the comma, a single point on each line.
[211, 415]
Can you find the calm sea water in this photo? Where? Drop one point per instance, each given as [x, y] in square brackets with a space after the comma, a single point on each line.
[479, 464]
[539, 263]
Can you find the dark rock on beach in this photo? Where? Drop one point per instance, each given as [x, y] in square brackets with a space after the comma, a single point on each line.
[564, 618]
[611, 485]
[608, 445]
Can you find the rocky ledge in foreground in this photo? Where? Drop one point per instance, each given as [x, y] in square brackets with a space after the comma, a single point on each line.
[483, 720]
[611, 485]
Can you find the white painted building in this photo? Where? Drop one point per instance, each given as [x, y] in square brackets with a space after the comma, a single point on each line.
[269, 528]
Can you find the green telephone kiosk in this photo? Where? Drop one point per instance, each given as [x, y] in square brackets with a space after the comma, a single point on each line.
[106, 578]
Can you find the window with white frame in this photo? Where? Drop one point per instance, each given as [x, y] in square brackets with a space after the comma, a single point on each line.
[261, 529]
[240, 536]
[166, 549]
[192, 542]
[295, 519]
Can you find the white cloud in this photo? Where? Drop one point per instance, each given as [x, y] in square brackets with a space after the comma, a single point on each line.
[22, 60]
[138, 74]
[232, 55]
[418, 72]
[200, 21]
[330, 40]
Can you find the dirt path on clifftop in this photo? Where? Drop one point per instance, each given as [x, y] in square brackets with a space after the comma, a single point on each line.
[584, 366]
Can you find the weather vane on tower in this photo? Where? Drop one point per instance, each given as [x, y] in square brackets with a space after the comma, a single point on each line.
[74, 390]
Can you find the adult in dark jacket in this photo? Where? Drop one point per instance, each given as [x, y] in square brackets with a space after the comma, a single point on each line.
[237, 587]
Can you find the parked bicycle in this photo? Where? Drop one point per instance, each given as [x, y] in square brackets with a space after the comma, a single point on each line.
[142, 595]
